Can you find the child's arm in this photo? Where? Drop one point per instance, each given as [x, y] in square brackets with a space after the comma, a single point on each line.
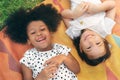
[69, 61]
[27, 73]
[77, 12]
[69, 14]
[107, 5]
[111, 12]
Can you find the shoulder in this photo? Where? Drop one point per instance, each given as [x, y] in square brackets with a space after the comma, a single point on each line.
[62, 48]
[30, 52]
[57, 45]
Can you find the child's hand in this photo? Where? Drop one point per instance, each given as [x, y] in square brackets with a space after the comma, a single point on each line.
[80, 9]
[51, 66]
[47, 73]
[57, 60]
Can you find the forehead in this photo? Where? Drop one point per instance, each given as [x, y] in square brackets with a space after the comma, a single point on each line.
[36, 24]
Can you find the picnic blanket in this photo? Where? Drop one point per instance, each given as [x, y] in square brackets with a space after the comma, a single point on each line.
[11, 52]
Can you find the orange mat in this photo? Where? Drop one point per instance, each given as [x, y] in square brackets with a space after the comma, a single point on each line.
[10, 53]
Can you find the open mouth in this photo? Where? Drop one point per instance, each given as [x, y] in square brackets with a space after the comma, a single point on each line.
[88, 36]
[40, 39]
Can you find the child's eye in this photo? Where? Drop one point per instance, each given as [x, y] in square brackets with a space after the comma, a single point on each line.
[89, 47]
[42, 29]
[32, 33]
[98, 43]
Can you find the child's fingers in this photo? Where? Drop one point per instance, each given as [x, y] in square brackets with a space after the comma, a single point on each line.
[51, 62]
[50, 70]
[84, 6]
[48, 62]
[51, 75]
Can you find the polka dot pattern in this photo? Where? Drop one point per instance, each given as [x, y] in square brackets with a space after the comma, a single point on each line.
[35, 59]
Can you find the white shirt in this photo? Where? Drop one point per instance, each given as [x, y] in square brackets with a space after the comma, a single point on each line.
[34, 60]
[97, 22]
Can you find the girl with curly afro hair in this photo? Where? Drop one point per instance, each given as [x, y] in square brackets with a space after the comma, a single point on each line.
[46, 60]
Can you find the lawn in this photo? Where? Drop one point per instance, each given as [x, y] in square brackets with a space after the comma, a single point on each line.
[8, 6]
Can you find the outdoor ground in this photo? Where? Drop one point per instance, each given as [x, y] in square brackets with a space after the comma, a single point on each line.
[8, 6]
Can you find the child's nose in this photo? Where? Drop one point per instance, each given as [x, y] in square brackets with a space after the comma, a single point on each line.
[92, 40]
[38, 33]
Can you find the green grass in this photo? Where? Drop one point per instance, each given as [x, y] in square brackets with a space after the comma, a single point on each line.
[8, 6]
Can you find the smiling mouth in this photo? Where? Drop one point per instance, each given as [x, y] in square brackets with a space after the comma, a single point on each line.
[40, 39]
[89, 35]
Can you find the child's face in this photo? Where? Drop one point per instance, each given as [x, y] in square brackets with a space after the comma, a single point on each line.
[39, 35]
[92, 44]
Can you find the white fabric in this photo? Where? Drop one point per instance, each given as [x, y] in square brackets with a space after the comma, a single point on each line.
[74, 3]
[97, 22]
[35, 59]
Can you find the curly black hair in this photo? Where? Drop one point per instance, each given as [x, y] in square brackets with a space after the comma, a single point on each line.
[17, 22]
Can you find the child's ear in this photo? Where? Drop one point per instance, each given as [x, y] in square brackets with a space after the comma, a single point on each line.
[80, 48]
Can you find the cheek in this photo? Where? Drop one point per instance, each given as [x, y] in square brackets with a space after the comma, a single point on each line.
[82, 45]
[31, 39]
[49, 36]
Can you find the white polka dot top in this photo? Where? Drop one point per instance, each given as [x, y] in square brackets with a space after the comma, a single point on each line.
[34, 60]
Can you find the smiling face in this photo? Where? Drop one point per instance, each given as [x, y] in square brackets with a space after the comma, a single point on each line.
[92, 44]
[39, 35]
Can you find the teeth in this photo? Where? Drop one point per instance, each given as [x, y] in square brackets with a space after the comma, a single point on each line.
[39, 39]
